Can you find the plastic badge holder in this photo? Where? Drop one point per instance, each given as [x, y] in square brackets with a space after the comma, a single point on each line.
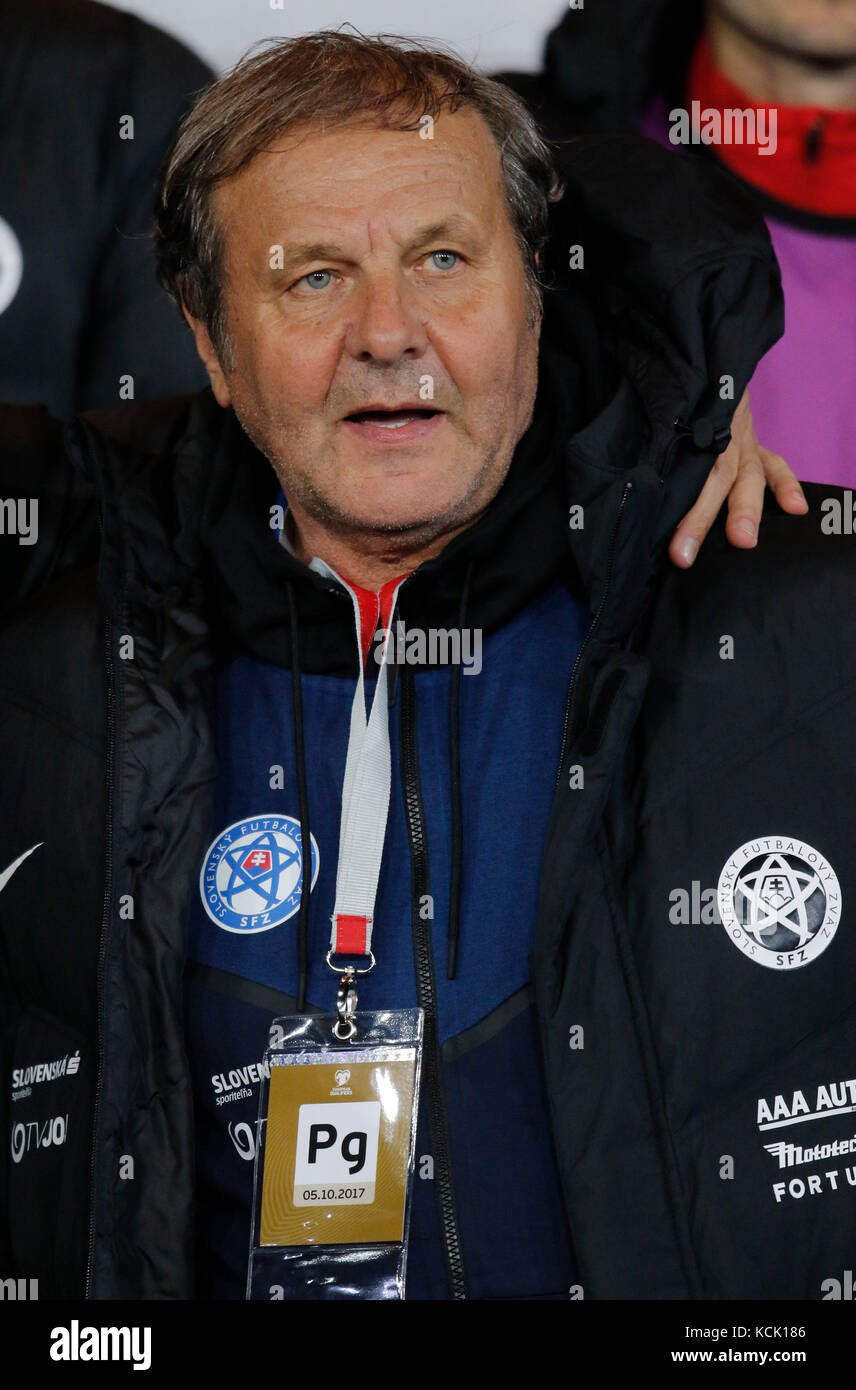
[334, 1159]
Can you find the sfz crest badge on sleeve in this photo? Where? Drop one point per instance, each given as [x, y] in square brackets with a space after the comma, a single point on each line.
[780, 901]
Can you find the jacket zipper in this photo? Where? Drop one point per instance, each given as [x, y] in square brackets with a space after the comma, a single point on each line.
[572, 688]
[427, 994]
[102, 952]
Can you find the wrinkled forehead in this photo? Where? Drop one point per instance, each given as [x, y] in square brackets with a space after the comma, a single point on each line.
[366, 171]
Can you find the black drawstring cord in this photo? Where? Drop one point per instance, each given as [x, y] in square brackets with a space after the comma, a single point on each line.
[455, 781]
[303, 803]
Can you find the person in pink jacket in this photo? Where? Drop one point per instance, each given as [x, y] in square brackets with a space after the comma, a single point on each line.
[767, 88]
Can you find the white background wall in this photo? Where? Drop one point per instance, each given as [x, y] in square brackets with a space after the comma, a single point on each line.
[493, 34]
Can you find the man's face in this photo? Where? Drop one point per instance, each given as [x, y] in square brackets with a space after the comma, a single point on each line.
[822, 30]
[401, 286]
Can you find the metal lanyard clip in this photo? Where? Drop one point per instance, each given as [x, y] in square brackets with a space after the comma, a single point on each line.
[346, 1006]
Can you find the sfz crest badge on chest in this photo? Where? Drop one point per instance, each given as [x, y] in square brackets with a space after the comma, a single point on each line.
[780, 901]
[251, 874]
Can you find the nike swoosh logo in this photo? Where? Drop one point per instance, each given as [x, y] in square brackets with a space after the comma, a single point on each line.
[7, 873]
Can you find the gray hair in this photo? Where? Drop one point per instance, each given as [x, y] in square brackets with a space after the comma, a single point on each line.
[329, 76]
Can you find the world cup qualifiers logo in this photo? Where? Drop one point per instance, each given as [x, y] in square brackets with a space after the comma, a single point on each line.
[251, 875]
[780, 901]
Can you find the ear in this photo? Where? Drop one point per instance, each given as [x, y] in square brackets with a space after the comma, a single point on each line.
[205, 348]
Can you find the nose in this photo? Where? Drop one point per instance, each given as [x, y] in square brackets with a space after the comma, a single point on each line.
[387, 322]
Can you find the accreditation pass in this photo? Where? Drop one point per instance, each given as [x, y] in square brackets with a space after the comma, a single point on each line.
[338, 1146]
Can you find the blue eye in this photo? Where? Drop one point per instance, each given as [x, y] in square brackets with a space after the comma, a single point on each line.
[451, 259]
[313, 283]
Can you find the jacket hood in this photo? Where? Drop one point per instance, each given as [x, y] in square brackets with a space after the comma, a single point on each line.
[679, 292]
[608, 84]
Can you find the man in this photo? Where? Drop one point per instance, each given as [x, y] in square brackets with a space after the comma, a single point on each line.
[361, 280]
[677, 70]
[90, 98]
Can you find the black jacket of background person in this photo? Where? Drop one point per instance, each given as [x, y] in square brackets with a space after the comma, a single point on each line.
[685, 755]
[76, 206]
[604, 63]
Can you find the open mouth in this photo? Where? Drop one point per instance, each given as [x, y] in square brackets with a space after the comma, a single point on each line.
[390, 419]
